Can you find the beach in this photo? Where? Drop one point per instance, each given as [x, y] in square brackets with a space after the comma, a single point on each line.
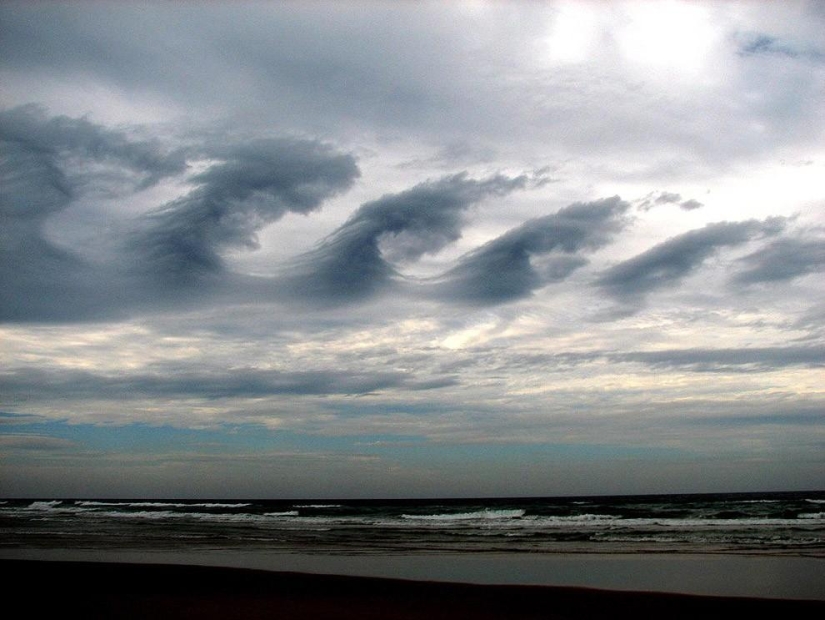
[134, 590]
[752, 546]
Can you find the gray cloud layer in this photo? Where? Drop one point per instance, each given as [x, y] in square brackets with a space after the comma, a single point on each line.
[698, 359]
[237, 383]
[726, 360]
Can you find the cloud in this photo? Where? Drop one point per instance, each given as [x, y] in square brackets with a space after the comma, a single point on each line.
[34, 442]
[17, 418]
[538, 252]
[760, 44]
[252, 185]
[361, 257]
[47, 163]
[748, 359]
[696, 359]
[800, 417]
[668, 197]
[783, 260]
[31, 132]
[662, 198]
[52, 164]
[236, 383]
[691, 204]
[668, 263]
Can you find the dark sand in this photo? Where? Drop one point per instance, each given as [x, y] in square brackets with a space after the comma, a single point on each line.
[114, 590]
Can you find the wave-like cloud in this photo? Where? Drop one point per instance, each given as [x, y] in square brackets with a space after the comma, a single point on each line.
[179, 249]
[540, 251]
[254, 184]
[48, 163]
[359, 258]
[668, 263]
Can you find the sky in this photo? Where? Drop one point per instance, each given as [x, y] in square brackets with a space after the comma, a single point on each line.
[411, 249]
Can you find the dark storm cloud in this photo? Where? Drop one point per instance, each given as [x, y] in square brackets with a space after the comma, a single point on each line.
[359, 258]
[253, 185]
[782, 260]
[669, 262]
[46, 163]
[22, 383]
[517, 263]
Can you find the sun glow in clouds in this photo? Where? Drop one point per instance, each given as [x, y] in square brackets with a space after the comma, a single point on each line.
[573, 34]
[666, 35]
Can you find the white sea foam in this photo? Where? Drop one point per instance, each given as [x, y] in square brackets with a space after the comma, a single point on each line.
[162, 504]
[160, 515]
[319, 506]
[136, 504]
[467, 516]
[288, 513]
[241, 517]
[143, 514]
[588, 517]
[811, 515]
[640, 539]
[44, 505]
[213, 505]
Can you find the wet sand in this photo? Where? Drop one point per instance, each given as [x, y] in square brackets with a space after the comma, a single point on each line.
[120, 590]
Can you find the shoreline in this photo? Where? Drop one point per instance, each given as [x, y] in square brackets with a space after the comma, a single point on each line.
[765, 577]
[136, 590]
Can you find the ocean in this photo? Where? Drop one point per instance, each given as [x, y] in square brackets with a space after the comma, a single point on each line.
[515, 540]
[753, 523]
